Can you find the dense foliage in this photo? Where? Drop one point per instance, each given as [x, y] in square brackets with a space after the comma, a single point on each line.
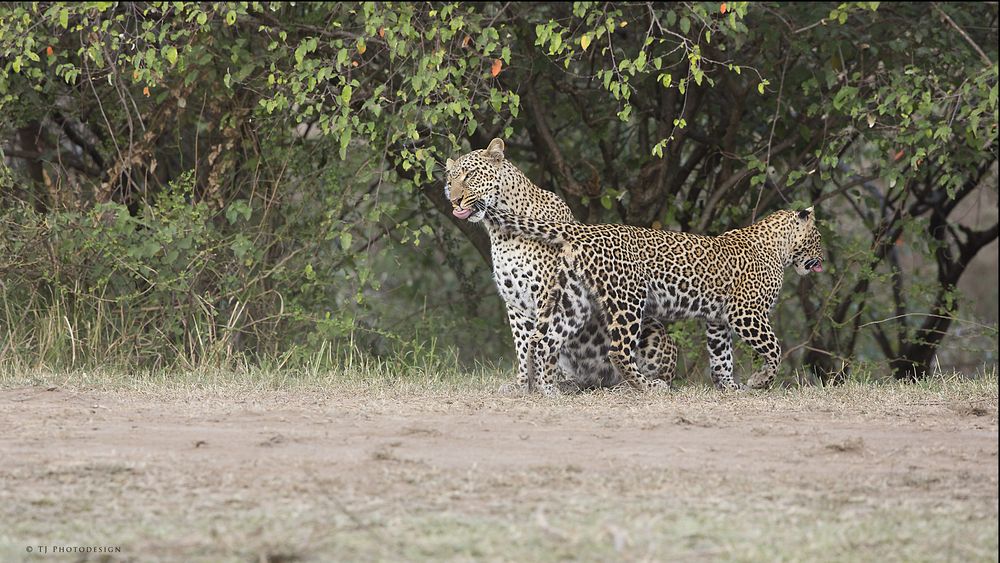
[217, 182]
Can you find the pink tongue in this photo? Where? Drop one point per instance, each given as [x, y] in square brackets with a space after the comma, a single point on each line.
[817, 268]
[461, 213]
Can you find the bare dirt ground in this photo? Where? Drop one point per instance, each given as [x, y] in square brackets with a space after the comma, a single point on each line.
[362, 474]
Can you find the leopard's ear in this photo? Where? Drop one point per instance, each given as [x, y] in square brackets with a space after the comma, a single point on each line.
[494, 151]
[806, 213]
[449, 164]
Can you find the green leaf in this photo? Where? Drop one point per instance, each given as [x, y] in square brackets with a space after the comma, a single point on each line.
[239, 208]
[640, 61]
[685, 25]
[171, 53]
[556, 44]
[658, 148]
[345, 140]
[64, 18]
[541, 33]
[845, 95]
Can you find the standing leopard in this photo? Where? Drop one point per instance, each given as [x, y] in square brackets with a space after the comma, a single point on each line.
[525, 272]
[731, 281]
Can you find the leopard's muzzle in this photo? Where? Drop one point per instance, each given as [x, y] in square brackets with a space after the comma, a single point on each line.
[814, 265]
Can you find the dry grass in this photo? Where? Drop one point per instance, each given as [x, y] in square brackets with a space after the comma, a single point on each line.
[415, 384]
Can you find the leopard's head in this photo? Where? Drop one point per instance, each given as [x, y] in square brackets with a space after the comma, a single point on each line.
[807, 245]
[474, 181]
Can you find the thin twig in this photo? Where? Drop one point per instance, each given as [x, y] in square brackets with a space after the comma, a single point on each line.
[770, 139]
[808, 27]
[974, 323]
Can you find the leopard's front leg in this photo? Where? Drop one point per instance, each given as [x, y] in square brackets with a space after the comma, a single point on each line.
[522, 326]
[562, 314]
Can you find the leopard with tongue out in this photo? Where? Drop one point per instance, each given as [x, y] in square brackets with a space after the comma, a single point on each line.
[731, 281]
[525, 272]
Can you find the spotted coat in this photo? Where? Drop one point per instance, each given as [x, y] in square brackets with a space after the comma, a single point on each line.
[525, 272]
[731, 281]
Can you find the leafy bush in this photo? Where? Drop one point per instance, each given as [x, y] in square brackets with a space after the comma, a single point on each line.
[191, 182]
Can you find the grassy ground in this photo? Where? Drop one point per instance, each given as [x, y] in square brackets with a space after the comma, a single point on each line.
[367, 465]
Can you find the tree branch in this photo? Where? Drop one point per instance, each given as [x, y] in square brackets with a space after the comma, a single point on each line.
[548, 143]
[982, 55]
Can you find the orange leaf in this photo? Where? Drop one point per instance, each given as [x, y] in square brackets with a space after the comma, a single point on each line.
[146, 91]
[465, 42]
[497, 66]
[722, 8]
[49, 50]
[135, 75]
[381, 32]
[354, 63]
[899, 155]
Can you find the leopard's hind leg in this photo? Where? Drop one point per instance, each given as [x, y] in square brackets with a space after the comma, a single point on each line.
[657, 351]
[623, 309]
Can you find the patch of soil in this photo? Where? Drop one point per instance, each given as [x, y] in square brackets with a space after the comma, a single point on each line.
[229, 453]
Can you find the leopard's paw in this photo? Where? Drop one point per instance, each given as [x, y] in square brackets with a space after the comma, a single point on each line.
[658, 386]
[513, 389]
[761, 379]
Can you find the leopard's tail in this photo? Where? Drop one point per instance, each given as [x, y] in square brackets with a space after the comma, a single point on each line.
[549, 232]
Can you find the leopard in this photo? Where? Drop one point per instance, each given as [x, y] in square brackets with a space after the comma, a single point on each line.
[524, 271]
[731, 281]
